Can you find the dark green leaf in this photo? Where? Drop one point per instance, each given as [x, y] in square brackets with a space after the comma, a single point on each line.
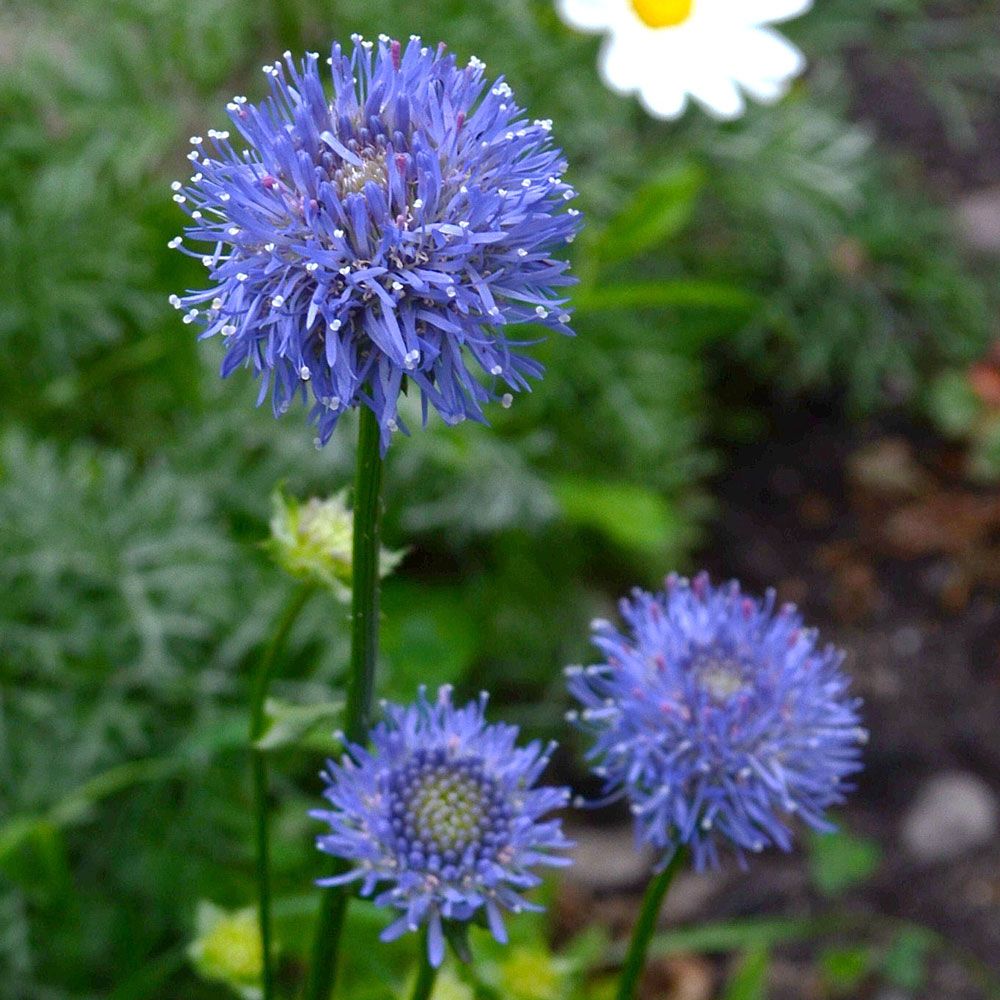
[658, 210]
[839, 861]
[905, 963]
[844, 968]
[287, 724]
[749, 981]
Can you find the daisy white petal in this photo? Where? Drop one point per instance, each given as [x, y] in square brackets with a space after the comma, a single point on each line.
[772, 11]
[591, 15]
[718, 94]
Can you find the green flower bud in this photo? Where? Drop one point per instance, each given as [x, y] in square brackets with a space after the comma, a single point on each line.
[313, 541]
[227, 948]
[532, 974]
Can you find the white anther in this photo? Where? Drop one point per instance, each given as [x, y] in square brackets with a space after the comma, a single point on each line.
[196, 214]
[242, 276]
[233, 231]
[175, 301]
[496, 370]
[175, 242]
[180, 199]
[541, 312]
[228, 330]
[505, 400]
[176, 186]
[224, 196]
[418, 202]
[312, 266]
[207, 261]
[278, 301]
[195, 140]
[269, 247]
[304, 373]
[345, 271]
[521, 252]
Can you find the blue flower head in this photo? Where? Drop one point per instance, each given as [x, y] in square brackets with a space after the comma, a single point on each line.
[441, 817]
[719, 718]
[380, 237]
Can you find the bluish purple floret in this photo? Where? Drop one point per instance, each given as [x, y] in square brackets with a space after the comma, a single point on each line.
[719, 718]
[380, 237]
[441, 818]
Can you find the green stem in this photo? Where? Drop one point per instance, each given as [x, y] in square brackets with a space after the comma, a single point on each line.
[426, 974]
[361, 680]
[635, 960]
[266, 670]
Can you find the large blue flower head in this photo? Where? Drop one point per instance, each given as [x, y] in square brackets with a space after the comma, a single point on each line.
[441, 816]
[719, 718]
[380, 237]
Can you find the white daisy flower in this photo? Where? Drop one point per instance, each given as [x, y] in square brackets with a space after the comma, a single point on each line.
[711, 50]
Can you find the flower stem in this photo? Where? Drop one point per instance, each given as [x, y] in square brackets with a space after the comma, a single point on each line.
[426, 974]
[635, 960]
[361, 680]
[266, 670]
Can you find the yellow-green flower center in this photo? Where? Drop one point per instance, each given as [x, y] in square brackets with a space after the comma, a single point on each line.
[352, 179]
[663, 13]
[447, 809]
[719, 676]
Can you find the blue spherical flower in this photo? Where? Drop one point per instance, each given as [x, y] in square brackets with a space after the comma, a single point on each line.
[381, 236]
[442, 817]
[719, 718]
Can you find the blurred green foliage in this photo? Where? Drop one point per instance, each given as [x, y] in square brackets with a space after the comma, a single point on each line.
[782, 253]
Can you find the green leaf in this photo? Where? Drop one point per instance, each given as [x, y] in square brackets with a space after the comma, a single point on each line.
[632, 516]
[287, 724]
[456, 933]
[426, 637]
[749, 982]
[905, 963]
[839, 862]
[676, 293]
[660, 209]
[953, 404]
[844, 968]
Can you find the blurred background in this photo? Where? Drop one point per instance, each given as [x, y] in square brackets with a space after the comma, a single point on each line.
[786, 370]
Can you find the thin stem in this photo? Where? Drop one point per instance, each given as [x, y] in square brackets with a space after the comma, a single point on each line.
[635, 960]
[266, 670]
[361, 680]
[426, 974]
[365, 569]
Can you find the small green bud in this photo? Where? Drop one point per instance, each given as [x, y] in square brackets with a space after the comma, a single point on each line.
[313, 541]
[532, 974]
[448, 986]
[228, 949]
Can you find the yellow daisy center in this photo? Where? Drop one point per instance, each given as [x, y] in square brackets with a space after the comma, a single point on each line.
[663, 13]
